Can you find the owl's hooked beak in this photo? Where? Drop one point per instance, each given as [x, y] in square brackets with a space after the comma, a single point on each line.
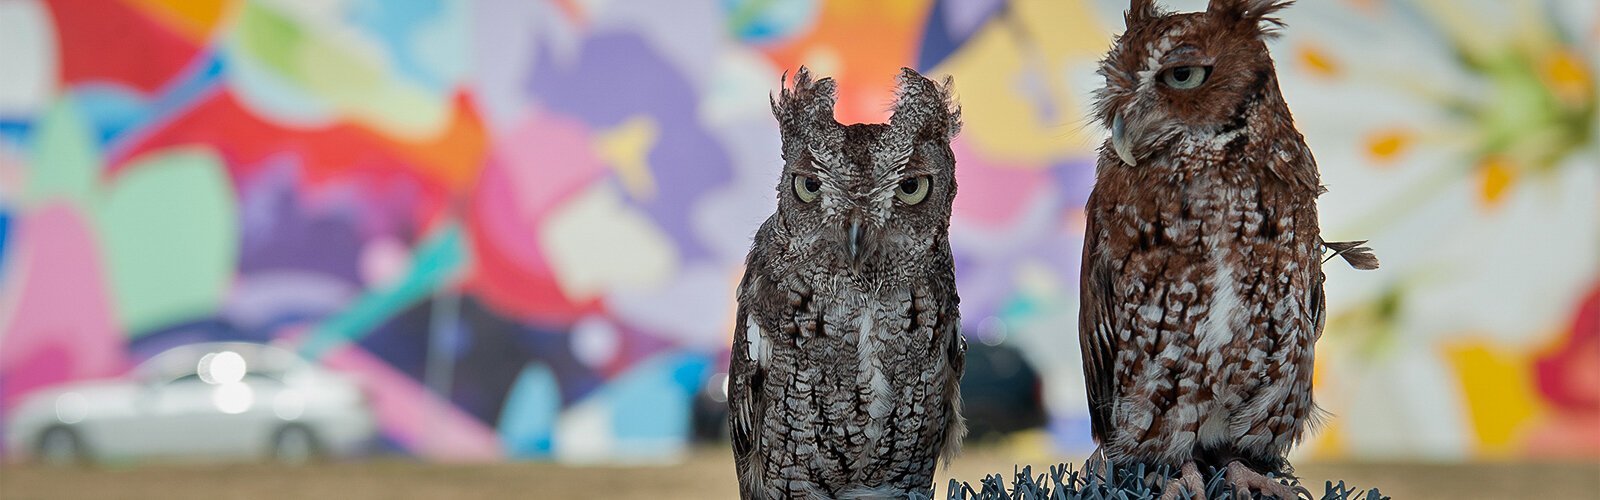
[1120, 141]
[855, 239]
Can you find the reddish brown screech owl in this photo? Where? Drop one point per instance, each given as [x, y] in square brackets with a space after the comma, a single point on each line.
[1202, 281]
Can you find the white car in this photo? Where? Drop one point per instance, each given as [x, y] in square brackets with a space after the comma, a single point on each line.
[222, 400]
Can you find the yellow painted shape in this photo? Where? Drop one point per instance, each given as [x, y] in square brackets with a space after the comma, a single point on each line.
[1387, 145]
[1004, 124]
[1498, 388]
[194, 19]
[1029, 446]
[1326, 440]
[626, 148]
[1318, 61]
[1496, 175]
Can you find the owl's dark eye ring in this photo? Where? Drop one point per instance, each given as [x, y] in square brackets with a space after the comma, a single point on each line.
[1185, 77]
[807, 188]
[913, 190]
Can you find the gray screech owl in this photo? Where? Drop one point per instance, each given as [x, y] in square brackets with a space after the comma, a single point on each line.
[847, 352]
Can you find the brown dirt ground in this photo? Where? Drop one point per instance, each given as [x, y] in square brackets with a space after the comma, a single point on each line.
[708, 473]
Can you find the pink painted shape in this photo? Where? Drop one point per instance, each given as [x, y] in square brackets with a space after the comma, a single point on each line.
[542, 163]
[992, 193]
[546, 160]
[62, 327]
[410, 414]
[384, 261]
[504, 226]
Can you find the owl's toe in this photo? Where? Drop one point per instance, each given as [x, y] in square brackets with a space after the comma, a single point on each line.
[1245, 480]
[1189, 480]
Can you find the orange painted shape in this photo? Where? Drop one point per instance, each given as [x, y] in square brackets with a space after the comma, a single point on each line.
[1369, 7]
[862, 45]
[457, 154]
[1318, 62]
[1496, 175]
[1387, 145]
[1567, 76]
[194, 19]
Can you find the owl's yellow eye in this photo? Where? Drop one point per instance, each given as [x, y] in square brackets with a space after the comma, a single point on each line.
[1185, 77]
[807, 188]
[912, 191]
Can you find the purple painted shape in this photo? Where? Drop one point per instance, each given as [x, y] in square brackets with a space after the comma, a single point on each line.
[502, 40]
[617, 76]
[985, 285]
[262, 299]
[962, 17]
[279, 230]
[1074, 178]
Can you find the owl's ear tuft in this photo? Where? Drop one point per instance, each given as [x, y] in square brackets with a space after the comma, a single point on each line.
[924, 109]
[1140, 12]
[1252, 14]
[807, 104]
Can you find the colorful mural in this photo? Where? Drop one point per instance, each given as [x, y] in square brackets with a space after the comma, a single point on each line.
[520, 223]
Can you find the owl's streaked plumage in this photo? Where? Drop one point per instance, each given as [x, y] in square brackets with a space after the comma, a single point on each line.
[847, 354]
[1202, 287]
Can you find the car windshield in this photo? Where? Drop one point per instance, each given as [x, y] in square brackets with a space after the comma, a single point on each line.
[248, 377]
[218, 363]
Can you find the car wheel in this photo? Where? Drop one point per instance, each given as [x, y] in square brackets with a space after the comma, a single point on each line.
[61, 446]
[295, 444]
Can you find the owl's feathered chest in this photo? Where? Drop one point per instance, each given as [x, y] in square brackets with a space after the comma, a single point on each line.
[1206, 298]
[858, 381]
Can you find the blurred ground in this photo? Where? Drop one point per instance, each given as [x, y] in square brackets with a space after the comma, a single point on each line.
[707, 474]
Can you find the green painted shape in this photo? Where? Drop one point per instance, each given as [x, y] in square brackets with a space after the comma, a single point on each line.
[269, 37]
[66, 160]
[435, 265]
[169, 235]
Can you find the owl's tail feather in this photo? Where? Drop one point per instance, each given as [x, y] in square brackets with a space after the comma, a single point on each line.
[1354, 253]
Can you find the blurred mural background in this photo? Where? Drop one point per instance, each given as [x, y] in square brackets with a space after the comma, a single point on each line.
[518, 223]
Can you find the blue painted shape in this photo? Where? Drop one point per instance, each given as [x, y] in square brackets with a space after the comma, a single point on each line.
[1071, 433]
[116, 111]
[5, 231]
[949, 26]
[651, 404]
[111, 110]
[17, 131]
[528, 421]
[767, 21]
[402, 27]
[937, 42]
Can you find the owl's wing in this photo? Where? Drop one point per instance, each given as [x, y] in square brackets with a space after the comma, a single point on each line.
[744, 398]
[1318, 303]
[956, 355]
[1096, 331]
[746, 406]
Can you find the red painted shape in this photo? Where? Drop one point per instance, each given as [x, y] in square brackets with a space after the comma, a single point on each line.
[221, 123]
[111, 42]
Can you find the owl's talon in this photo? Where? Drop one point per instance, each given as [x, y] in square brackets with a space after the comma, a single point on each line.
[1245, 480]
[1188, 480]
